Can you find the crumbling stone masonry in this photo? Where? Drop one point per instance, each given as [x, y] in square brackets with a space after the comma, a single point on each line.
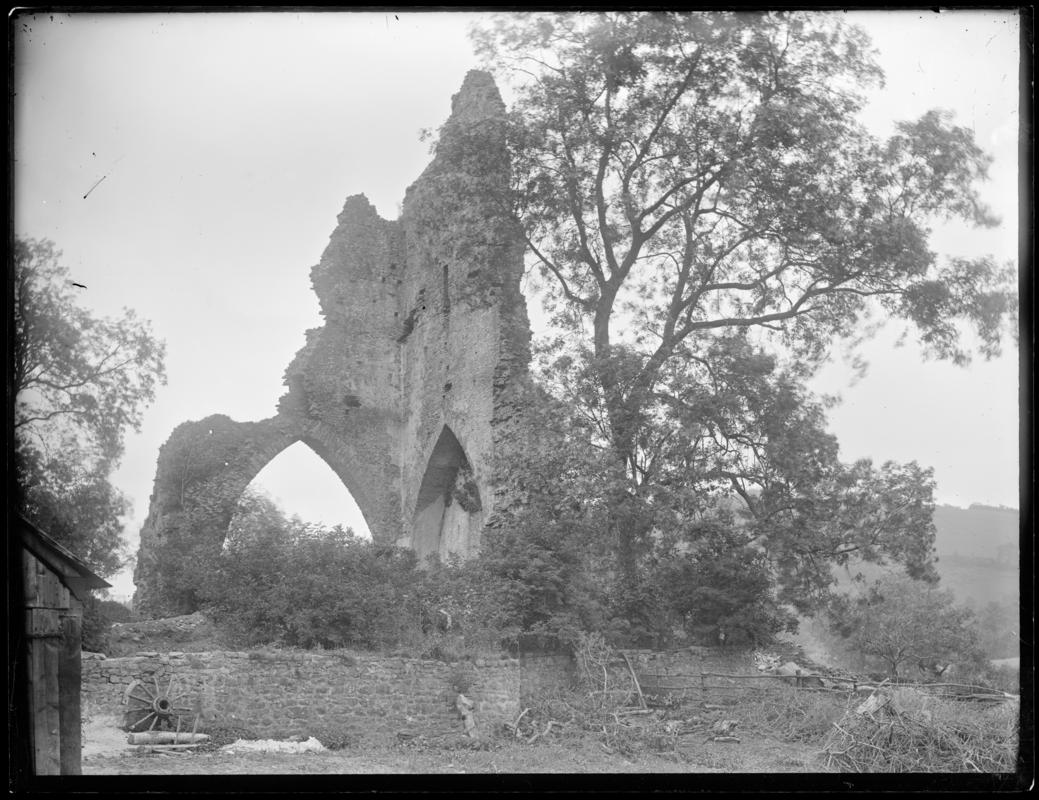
[280, 693]
[408, 390]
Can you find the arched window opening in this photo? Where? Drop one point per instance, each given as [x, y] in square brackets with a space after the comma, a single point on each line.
[448, 505]
[301, 484]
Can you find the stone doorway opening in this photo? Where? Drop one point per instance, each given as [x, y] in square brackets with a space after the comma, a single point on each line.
[448, 512]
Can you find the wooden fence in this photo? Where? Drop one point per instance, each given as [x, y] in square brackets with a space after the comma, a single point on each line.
[708, 686]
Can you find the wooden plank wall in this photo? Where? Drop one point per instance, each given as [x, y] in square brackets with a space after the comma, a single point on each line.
[47, 601]
[69, 689]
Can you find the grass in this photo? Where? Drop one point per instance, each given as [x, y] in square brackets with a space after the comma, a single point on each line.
[575, 753]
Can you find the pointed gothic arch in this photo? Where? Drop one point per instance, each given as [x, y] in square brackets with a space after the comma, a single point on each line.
[448, 507]
[371, 388]
[303, 481]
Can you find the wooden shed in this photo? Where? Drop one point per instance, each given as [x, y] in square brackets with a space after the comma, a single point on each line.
[55, 584]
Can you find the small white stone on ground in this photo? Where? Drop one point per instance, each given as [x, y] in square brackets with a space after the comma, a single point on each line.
[311, 745]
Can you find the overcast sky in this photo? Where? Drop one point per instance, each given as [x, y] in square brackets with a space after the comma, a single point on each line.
[229, 142]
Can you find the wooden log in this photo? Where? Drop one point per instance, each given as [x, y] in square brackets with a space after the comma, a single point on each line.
[158, 748]
[631, 669]
[166, 737]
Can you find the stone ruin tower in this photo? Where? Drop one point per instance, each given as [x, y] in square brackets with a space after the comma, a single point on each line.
[408, 389]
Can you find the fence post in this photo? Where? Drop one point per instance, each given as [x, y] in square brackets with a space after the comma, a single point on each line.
[703, 687]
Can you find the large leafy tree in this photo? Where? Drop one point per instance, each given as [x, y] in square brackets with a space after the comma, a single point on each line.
[78, 383]
[707, 216]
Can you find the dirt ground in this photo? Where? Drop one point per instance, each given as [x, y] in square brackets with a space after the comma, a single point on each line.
[105, 752]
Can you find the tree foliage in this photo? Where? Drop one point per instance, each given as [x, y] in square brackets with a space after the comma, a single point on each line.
[555, 568]
[76, 506]
[282, 580]
[901, 621]
[721, 588]
[707, 216]
[998, 626]
[691, 173]
[76, 375]
[78, 383]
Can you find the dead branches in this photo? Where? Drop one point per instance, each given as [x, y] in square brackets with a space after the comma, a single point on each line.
[527, 730]
[907, 731]
[607, 676]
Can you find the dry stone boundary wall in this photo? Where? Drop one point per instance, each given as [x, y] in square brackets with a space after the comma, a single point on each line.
[696, 674]
[693, 659]
[281, 693]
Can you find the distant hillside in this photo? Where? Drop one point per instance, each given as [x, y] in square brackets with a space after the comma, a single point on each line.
[978, 531]
[977, 560]
[977, 554]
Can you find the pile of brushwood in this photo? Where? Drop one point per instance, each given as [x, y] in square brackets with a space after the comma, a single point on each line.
[907, 730]
[792, 714]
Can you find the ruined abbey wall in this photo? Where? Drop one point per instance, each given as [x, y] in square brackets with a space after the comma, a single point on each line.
[406, 390]
[280, 693]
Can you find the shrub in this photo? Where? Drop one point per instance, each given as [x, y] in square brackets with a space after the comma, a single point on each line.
[720, 584]
[900, 622]
[457, 611]
[95, 625]
[286, 582]
[332, 736]
[543, 586]
[114, 611]
[303, 585]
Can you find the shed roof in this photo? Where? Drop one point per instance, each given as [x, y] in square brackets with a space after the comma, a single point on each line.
[69, 567]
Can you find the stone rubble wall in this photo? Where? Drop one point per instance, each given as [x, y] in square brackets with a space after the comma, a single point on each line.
[280, 693]
[545, 675]
[678, 673]
[189, 633]
[693, 660]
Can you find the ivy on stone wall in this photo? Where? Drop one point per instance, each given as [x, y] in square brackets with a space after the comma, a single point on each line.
[465, 491]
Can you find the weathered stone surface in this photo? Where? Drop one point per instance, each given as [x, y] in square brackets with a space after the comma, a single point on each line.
[409, 388]
[371, 694]
[187, 633]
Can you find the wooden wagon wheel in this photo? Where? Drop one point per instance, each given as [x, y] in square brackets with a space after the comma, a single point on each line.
[158, 709]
